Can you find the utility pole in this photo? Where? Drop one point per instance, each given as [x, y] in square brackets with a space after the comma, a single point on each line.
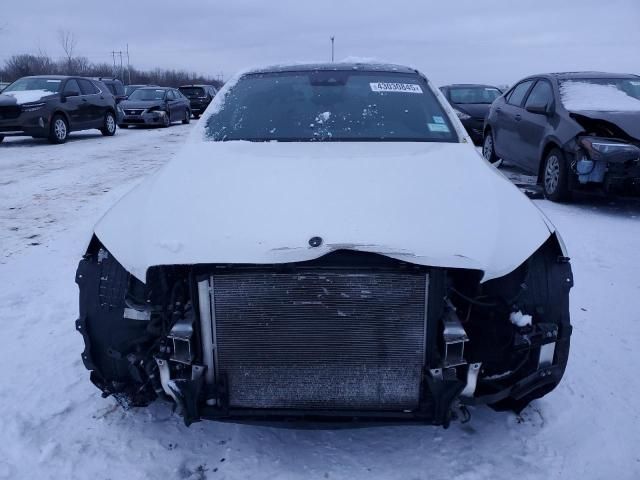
[128, 66]
[113, 54]
[333, 38]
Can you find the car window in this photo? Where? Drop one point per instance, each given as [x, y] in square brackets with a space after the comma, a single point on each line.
[517, 94]
[170, 95]
[541, 94]
[146, 94]
[72, 86]
[51, 85]
[331, 106]
[86, 87]
[178, 95]
[462, 95]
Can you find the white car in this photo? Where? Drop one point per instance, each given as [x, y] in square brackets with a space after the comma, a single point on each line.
[329, 245]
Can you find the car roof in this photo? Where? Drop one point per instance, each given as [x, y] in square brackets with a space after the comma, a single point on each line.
[195, 85]
[151, 87]
[57, 77]
[333, 67]
[583, 75]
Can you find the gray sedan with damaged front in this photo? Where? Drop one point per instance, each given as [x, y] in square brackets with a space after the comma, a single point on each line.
[575, 131]
[155, 106]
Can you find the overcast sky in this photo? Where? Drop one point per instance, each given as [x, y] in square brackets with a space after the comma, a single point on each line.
[492, 41]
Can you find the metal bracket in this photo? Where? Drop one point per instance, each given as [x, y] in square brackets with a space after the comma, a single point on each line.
[165, 380]
[181, 334]
[472, 380]
[547, 352]
[454, 339]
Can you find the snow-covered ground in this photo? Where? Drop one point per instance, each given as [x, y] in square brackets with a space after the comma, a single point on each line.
[54, 424]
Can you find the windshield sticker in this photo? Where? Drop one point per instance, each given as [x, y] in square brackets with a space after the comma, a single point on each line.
[438, 127]
[438, 119]
[395, 87]
[53, 81]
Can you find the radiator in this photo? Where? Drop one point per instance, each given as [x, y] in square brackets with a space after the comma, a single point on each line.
[320, 339]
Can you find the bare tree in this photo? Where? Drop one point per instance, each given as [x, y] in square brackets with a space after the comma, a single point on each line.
[68, 43]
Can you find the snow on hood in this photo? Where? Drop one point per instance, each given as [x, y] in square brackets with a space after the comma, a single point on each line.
[27, 96]
[583, 96]
[436, 204]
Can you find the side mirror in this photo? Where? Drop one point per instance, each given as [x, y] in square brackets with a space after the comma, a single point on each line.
[71, 93]
[539, 109]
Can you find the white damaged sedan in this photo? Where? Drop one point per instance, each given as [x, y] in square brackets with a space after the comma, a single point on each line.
[328, 246]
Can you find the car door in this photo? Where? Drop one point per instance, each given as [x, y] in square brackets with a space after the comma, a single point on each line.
[172, 105]
[95, 108]
[182, 103]
[534, 123]
[72, 104]
[186, 104]
[505, 128]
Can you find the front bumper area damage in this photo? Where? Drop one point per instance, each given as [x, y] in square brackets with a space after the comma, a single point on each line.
[349, 337]
[143, 117]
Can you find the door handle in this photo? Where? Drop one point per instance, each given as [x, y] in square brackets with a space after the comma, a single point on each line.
[499, 109]
[84, 99]
[518, 117]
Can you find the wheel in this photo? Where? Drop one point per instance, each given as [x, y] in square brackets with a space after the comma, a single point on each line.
[123, 126]
[109, 126]
[488, 149]
[555, 177]
[187, 117]
[167, 120]
[1, 138]
[59, 129]
[196, 116]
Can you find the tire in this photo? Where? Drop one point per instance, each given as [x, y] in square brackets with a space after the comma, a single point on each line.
[59, 130]
[109, 125]
[488, 149]
[1, 138]
[555, 176]
[167, 120]
[187, 117]
[196, 116]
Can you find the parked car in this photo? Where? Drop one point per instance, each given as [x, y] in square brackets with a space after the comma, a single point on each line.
[3, 85]
[129, 89]
[49, 106]
[199, 96]
[573, 130]
[155, 106]
[115, 86]
[471, 103]
[329, 247]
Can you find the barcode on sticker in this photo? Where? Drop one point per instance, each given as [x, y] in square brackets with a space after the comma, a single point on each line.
[395, 87]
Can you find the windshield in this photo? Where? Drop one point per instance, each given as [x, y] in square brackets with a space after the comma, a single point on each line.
[331, 106]
[474, 94]
[146, 94]
[51, 85]
[601, 94]
[129, 89]
[191, 92]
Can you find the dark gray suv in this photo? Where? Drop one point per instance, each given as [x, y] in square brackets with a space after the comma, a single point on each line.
[53, 106]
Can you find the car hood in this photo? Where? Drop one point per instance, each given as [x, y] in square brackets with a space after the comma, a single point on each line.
[26, 96]
[476, 110]
[627, 121]
[141, 104]
[437, 204]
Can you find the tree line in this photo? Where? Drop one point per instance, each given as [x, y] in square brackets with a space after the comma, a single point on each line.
[26, 64]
